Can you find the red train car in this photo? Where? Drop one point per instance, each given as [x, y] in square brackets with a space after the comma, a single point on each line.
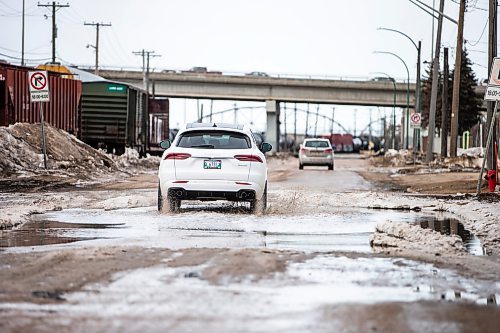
[341, 143]
[63, 111]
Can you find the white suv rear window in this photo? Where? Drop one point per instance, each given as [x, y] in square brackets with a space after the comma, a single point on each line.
[214, 140]
[317, 144]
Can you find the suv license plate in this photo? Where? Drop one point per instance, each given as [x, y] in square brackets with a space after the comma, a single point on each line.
[212, 164]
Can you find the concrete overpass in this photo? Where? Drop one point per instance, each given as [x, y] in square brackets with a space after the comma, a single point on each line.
[257, 88]
[271, 90]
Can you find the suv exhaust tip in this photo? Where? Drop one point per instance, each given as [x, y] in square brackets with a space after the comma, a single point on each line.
[246, 195]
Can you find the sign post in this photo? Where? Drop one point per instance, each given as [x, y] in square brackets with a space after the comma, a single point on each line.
[416, 124]
[492, 94]
[39, 93]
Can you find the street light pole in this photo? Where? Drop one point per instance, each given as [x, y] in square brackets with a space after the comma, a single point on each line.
[407, 92]
[418, 101]
[393, 108]
[429, 157]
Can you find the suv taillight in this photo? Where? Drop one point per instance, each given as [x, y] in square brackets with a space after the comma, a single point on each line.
[177, 156]
[328, 150]
[248, 158]
[304, 150]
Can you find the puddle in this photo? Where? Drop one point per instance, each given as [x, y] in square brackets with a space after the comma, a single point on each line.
[454, 227]
[46, 232]
[344, 229]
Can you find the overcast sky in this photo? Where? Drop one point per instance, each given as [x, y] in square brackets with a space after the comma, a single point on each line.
[333, 38]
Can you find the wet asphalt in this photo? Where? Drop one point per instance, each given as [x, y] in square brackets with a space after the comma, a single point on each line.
[180, 300]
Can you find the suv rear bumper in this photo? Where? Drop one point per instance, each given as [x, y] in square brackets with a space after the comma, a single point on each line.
[212, 190]
[316, 160]
[204, 195]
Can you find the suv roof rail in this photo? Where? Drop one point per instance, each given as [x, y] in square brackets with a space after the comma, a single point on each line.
[221, 125]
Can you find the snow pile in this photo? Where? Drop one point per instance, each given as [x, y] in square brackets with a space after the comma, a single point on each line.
[12, 215]
[21, 153]
[394, 158]
[131, 158]
[129, 201]
[15, 154]
[462, 162]
[471, 152]
[408, 237]
[466, 158]
[21, 150]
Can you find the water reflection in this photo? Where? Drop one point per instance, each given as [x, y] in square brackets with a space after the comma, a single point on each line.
[454, 227]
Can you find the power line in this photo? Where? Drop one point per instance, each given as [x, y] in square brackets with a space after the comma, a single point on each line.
[17, 58]
[15, 51]
[9, 7]
[480, 37]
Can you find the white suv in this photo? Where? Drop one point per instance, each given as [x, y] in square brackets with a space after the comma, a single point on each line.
[213, 162]
[316, 151]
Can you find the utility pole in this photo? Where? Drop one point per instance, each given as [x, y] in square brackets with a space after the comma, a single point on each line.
[284, 120]
[211, 110]
[433, 24]
[455, 102]
[307, 120]
[145, 71]
[145, 65]
[333, 120]
[316, 123]
[492, 52]
[22, 37]
[434, 89]
[370, 130]
[445, 120]
[295, 124]
[96, 46]
[55, 7]
[355, 111]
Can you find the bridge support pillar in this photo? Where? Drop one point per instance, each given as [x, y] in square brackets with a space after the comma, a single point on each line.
[273, 124]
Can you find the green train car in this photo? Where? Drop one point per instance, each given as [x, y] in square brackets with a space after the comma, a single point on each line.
[114, 116]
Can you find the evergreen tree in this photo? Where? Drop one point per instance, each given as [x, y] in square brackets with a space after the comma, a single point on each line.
[470, 104]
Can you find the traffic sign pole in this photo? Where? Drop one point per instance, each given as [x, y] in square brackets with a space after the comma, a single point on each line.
[44, 147]
[488, 144]
[39, 93]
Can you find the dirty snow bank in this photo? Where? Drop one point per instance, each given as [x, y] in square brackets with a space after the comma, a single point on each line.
[466, 158]
[389, 234]
[21, 151]
[478, 216]
[17, 213]
[131, 160]
[21, 155]
[69, 162]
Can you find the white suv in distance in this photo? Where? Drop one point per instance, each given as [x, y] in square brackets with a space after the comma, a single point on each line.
[210, 162]
[316, 152]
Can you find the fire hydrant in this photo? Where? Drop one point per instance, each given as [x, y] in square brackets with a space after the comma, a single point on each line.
[491, 177]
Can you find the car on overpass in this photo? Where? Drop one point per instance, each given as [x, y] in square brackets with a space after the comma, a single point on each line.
[316, 151]
[210, 162]
[260, 74]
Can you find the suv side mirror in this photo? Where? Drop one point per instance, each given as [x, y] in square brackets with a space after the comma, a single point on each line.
[165, 144]
[265, 147]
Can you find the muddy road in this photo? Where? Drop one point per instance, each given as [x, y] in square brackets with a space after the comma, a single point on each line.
[102, 259]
